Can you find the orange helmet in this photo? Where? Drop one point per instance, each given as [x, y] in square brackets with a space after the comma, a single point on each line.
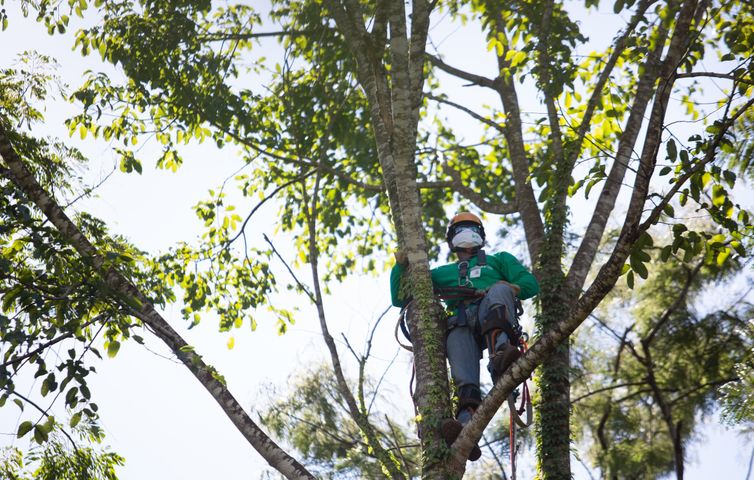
[460, 220]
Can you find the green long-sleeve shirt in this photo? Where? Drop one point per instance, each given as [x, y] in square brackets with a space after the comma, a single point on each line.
[499, 266]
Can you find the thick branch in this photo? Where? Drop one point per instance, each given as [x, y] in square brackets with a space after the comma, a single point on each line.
[514, 137]
[606, 203]
[618, 47]
[457, 72]
[145, 311]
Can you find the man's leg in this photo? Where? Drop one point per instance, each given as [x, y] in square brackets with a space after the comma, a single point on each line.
[500, 328]
[463, 355]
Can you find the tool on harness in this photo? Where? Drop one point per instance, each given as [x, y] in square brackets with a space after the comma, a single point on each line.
[465, 282]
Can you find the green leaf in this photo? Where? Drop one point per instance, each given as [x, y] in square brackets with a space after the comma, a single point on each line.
[637, 265]
[730, 178]
[112, 348]
[678, 229]
[665, 170]
[70, 397]
[665, 253]
[672, 150]
[719, 195]
[75, 419]
[722, 256]
[40, 435]
[706, 178]
[24, 428]
[630, 280]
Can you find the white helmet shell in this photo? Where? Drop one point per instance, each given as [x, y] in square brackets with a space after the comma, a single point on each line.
[467, 239]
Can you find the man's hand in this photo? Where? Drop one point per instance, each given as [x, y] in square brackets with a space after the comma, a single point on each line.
[401, 258]
[516, 289]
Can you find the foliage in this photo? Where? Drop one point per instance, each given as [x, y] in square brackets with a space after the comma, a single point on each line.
[314, 420]
[669, 359]
[57, 460]
[738, 399]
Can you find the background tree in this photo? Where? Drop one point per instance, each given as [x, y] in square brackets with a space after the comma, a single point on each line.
[647, 379]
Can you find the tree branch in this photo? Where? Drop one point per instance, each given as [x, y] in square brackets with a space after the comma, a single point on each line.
[469, 112]
[680, 299]
[145, 311]
[726, 76]
[52, 342]
[225, 36]
[356, 410]
[475, 197]
[606, 389]
[470, 77]
[587, 251]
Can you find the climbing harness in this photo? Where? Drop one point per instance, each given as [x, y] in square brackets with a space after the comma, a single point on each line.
[464, 294]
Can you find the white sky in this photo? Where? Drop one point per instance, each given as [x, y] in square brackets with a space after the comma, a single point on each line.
[153, 411]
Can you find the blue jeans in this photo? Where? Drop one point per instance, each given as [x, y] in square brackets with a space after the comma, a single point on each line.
[463, 350]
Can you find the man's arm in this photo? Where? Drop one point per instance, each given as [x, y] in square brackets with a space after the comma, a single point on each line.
[516, 274]
[395, 279]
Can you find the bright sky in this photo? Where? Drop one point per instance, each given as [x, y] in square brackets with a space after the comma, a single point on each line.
[153, 411]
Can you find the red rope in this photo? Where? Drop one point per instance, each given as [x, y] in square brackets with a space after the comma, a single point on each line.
[525, 398]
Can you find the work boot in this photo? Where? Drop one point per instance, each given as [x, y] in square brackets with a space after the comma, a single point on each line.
[502, 359]
[450, 429]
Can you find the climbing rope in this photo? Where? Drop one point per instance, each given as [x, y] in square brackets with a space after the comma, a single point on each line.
[516, 419]
[403, 326]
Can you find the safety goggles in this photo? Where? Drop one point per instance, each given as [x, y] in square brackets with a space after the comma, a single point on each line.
[469, 226]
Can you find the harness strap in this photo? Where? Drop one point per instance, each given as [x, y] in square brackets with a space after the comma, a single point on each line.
[481, 257]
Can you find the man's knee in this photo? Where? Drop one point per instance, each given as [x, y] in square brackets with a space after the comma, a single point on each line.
[499, 319]
[501, 293]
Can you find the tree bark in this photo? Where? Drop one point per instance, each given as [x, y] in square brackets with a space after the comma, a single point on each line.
[394, 102]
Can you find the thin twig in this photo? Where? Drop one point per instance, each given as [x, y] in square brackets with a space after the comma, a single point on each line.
[263, 201]
[48, 344]
[301, 285]
[44, 412]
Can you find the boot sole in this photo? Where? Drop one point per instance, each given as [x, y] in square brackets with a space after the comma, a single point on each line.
[450, 431]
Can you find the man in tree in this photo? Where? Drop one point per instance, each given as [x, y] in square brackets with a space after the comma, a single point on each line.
[481, 292]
